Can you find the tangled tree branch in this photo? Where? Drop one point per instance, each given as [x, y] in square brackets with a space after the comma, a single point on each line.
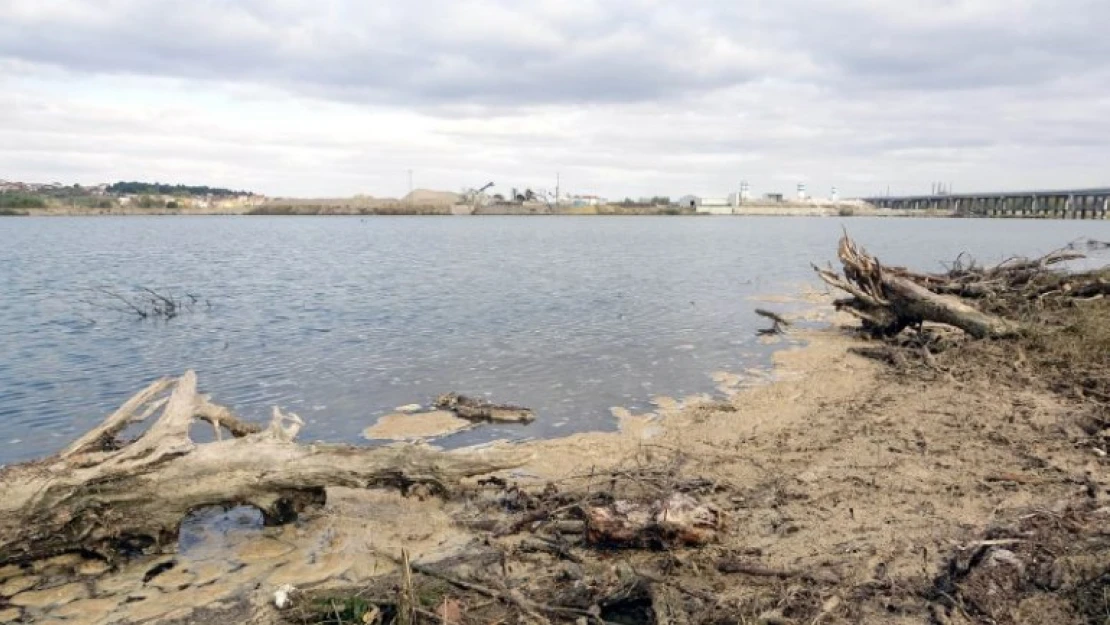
[889, 299]
[144, 302]
[104, 495]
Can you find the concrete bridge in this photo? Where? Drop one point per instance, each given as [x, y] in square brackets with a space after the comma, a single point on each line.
[1059, 204]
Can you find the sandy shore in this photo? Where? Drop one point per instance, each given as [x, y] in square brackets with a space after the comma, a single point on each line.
[827, 464]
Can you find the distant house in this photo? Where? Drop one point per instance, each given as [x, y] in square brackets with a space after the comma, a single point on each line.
[708, 205]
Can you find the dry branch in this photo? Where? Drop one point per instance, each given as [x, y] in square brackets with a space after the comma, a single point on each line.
[778, 321]
[104, 495]
[143, 302]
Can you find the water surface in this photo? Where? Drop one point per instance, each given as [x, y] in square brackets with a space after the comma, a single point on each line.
[341, 319]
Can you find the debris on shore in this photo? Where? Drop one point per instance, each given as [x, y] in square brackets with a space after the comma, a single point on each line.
[478, 410]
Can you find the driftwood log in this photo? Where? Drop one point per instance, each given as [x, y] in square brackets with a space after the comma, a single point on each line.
[479, 410]
[108, 496]
[890, 299]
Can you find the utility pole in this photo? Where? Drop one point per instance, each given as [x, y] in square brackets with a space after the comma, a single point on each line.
[557, 180]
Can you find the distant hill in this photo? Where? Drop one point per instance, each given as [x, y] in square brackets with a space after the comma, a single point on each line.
[425, 197]
[157, 188]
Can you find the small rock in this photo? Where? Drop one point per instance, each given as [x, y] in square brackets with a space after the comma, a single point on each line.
[10, 615]
[408, 408]
[282, 598]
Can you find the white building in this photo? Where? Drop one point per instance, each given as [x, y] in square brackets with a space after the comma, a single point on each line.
[711, 205]
[716, 205]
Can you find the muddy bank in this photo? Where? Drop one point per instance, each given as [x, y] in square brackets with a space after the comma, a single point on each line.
[926, 479]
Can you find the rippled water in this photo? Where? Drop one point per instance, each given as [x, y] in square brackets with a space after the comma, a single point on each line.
[341, 319]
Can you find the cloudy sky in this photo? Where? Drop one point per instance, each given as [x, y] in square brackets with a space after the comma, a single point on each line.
[622, 97]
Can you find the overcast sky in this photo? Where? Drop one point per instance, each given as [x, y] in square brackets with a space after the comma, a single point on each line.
[622, 97]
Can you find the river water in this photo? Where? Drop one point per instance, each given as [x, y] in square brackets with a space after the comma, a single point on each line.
[341, 319]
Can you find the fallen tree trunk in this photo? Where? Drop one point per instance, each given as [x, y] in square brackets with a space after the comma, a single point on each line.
[106, 496]
[888, 300]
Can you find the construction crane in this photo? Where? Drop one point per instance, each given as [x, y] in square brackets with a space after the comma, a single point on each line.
[476, 197]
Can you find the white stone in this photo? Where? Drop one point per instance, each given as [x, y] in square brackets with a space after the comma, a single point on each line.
[281, 597]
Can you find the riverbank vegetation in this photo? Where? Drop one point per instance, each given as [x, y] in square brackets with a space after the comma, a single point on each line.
[11, 201]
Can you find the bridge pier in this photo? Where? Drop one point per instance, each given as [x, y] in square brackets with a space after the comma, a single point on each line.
[1091, 203]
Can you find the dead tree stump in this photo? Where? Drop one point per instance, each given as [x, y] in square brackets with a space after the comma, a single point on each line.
[105, 496]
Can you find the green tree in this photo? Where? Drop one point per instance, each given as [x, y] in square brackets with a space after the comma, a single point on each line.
[147, 202]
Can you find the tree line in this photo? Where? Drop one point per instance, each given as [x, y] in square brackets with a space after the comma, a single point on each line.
[157, 188]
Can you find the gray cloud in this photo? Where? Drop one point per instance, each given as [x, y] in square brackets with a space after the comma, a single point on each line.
[420, 52]
[623, 96]
[494, 53]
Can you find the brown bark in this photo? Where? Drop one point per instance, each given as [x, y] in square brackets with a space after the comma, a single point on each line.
[105, 496]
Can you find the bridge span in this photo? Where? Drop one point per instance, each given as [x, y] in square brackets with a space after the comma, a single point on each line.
[1058, 204]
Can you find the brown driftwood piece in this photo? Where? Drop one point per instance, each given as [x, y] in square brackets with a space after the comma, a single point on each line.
[104, 495]
[678, 519]
[889, 300]
[480, 410]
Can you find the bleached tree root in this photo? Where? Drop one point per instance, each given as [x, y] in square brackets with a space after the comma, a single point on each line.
[107, 496]
[889, 299]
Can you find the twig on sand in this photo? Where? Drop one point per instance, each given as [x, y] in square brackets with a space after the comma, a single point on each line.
[504, 595]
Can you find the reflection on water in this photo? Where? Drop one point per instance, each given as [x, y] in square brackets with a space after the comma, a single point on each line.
[343, 319]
